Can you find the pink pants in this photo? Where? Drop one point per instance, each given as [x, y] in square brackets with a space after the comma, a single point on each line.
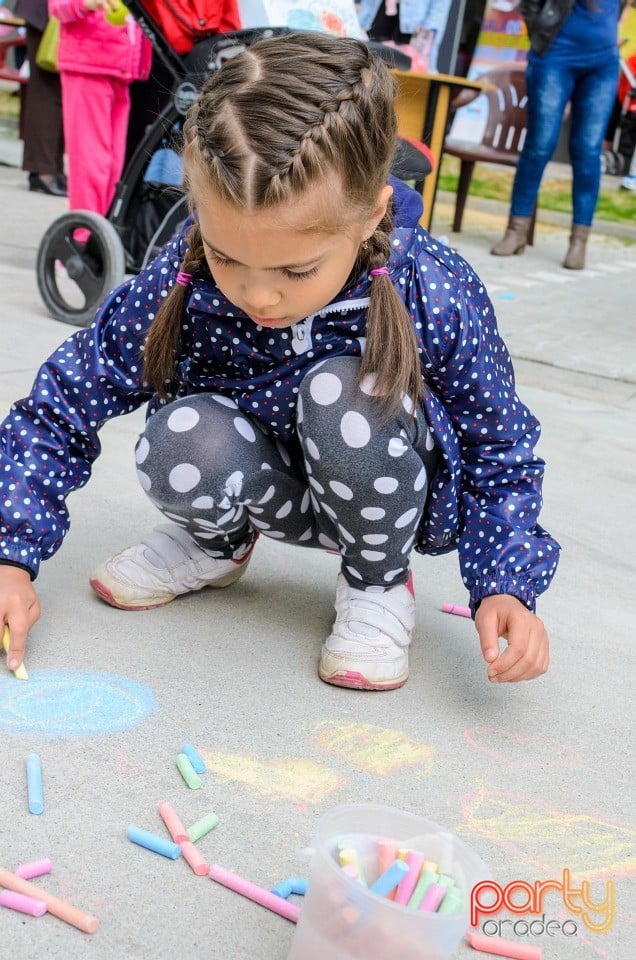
[95, 111]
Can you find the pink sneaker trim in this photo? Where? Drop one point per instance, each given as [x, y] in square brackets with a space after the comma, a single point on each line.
[356, 681]
[104, 594]
[410, 586]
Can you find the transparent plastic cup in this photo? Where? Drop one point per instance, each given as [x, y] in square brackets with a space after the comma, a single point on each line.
[342, 920]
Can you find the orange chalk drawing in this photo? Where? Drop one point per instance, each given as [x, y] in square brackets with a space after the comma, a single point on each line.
[374, 749]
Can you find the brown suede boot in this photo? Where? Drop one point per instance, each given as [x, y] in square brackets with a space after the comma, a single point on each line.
[575, 257]
[514, 239]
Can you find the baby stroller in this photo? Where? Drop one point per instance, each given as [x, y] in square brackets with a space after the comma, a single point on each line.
[149, 206]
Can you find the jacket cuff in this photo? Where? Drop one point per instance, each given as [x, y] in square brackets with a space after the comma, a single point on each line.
[487, 586]
[20, 555]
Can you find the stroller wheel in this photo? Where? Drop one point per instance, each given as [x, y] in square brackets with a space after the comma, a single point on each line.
[80, 260]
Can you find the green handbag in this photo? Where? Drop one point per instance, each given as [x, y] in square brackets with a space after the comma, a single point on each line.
[46, 56]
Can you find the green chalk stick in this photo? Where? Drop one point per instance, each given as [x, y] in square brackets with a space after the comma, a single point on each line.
[452, 902]
[445, 881]
[202, 826]
[427, 878]
[187, 771]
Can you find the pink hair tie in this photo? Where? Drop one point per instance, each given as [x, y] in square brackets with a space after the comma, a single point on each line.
[183, 279]
[379, 271]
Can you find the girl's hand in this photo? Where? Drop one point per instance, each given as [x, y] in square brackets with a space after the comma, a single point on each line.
[19, 609]
[527, 653]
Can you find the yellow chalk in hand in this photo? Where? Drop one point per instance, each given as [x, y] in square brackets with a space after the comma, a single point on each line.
[19, 673]
[117, 17]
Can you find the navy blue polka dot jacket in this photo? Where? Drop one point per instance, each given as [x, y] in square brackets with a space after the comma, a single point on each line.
[484, 499]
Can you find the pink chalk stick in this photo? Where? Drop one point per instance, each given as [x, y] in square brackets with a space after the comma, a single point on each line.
[17, 901]
[414, 861]
[433, 897]
[458, 611]
[199, 864]
[59, 908]
[386, 856]
[503, 948]
[34, 868]
[253, 892]
[175, 828]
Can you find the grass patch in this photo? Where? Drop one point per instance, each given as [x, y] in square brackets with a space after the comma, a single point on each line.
[9, 105]
[618, 206]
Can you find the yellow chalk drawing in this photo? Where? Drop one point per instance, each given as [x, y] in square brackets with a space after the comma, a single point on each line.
[300, 781]
[374, 749]
[548, 838]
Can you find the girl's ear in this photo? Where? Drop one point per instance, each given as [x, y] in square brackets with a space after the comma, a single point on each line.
[379, 210]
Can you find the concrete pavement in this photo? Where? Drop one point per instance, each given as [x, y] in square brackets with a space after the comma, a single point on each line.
[535, 777]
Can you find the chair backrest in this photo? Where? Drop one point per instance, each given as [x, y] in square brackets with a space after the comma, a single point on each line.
[10, 37]
[506, 126]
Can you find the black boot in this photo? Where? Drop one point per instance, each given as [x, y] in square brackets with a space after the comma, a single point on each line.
[46, 183]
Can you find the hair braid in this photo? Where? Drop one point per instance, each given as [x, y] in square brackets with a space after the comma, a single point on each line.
[391, 352]
[162, 343]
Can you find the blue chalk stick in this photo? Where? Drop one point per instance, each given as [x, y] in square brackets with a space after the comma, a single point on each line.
[283, 889]
[157, 844]
[34, 784]
[298, 885]
[390, 878]
[197, 762]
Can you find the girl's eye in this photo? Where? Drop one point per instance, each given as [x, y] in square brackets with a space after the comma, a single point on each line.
[220, 261]
[290, 274]
[301, 276]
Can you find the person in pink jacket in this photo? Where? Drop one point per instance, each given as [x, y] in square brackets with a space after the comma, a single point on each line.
[97, 62]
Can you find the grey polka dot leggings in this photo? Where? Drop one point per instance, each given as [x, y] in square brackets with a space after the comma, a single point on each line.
[348, 481]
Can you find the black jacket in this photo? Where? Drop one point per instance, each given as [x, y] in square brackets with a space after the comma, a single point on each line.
[544, 19]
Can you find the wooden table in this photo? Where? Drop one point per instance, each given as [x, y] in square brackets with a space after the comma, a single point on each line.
[423, 105]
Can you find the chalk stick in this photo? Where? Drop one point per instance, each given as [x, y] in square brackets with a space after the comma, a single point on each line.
[452, 902]
[34, 784]
[195, 860]
[407, 885]
[299, 885]
[445, 880]
[503, 948]
[386, 856]
[253, 892]
[175, 828]
[20, 672]
[197, 761]
[59, 908]
[35, 868]
[202, 826]
[284, 889]
[156, 844]
[348, 857]
[457, 610]
[188, 772]
[18, 901]
[433, 897]
[428, 877]
[390, 878]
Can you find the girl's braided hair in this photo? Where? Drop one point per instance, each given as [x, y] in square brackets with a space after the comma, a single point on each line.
[284, 114]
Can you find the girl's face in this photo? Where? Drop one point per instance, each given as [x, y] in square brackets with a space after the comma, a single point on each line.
[270, 265]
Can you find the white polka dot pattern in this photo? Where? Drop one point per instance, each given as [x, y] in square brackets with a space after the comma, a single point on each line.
[485, 496]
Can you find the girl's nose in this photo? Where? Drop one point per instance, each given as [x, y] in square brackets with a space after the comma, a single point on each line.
[261, 295]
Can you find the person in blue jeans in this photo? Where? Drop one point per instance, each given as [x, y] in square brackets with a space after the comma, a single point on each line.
[573, 57]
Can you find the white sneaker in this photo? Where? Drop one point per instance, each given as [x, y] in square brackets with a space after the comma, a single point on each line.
[629, 182]
[369, 641]
[164, 565]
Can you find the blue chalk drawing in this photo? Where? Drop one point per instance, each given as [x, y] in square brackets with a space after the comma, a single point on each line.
[58, 704]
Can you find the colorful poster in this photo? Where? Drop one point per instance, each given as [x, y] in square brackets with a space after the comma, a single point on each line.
[502, 40]
[337, 17]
